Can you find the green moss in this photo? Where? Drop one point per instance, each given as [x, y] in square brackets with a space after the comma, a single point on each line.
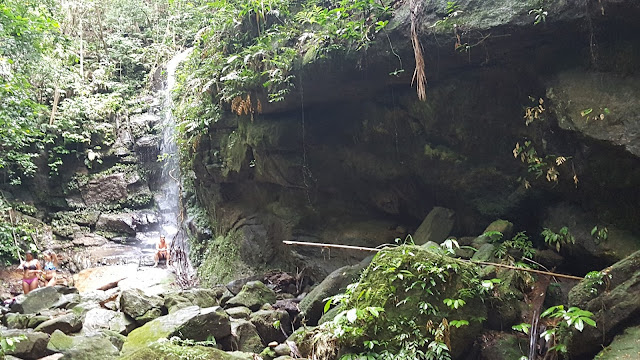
[168, 351]
[221, 261]
[60, 342]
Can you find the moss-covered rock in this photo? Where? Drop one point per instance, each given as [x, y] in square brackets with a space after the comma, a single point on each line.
[503, 346]
[624, 346]
[82, 347]
[253, 295]
[168, 351]
[402, 290]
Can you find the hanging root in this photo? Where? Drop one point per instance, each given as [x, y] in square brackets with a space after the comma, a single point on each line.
[419, 77]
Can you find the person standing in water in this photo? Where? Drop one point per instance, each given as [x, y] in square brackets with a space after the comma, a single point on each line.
[30, 269]
[162, 251]
[50, 267]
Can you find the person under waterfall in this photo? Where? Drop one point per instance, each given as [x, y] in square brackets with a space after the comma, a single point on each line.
[162, 251]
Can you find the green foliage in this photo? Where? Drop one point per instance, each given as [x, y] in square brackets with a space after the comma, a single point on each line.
[540, 15]
[247, 50]
[563, 321]
[557, 240]
[594, 280]
[8, 344]
[384, 313]
[523, 328]
[519, 244]
[600, 234]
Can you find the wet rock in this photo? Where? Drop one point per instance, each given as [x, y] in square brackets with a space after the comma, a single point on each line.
[135, 303]
[82, 347]
[312, 306]
[624, 346]
[38, 299]
[118, 223]
[33, 347]
[239, 312]
[272, 325]
[102, 319]
[190, 322]
[253, 295]
[246, 336]
[68, 323]
[435, 227]
[614, 303]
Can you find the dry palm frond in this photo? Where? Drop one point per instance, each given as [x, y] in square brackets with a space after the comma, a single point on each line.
[560, 160]
[419, 76]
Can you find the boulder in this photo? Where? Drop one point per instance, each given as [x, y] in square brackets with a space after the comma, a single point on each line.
[135, 303]
[312, 305]
[197, 323]
[435, 227]
[166, 350]
[68, 323]
[236, 285]
[253, 295]
[90, 239]
[118, 223]
[272, 325]
[503, 226]
[239, 312]
[24, 321]
[37, 300]
[246, 336]
[624, 346]
[614, 304]
[82, 347]
[34, 346]
[99, 319]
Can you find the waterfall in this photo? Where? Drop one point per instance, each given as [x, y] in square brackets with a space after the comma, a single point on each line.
[169, 202]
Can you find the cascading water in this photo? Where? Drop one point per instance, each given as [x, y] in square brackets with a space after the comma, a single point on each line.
[168, 200]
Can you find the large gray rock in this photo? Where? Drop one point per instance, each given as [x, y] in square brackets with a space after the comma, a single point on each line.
[435, 227]
[135, 303]
[68, 323]
[197, 323]
[272, 325]
[312, 306]
[90, 239]
[119, 223]
[253, 295]
[82, 347]
[99, 319]
[239, 312]
[34, 346]
[105, 189]
[200, 297]
[614, 304]
[246, 336]
[37, 300]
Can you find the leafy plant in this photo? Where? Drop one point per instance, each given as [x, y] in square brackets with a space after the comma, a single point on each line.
[520, 244]
[600, 233]
[8, 344]
[595, 279]
[558, 331]
[557, 240]
[540, 15]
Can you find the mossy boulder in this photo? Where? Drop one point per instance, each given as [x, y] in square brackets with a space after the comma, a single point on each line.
[167, 350]
[33, 346]
[435, 227]
[614, 303]
[135, 303]
[82, 347]
[272, 325]
[253, 295]
[246, 336]
[401, 291]
[188, 323]
[68, 323]
[35, 301]
[505, 227]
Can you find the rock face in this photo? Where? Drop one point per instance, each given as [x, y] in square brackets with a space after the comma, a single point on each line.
[614, 304]
[624, 346]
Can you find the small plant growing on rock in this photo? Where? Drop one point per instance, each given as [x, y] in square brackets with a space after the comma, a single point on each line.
[562, 321]
[600, 233]
[557, 240]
